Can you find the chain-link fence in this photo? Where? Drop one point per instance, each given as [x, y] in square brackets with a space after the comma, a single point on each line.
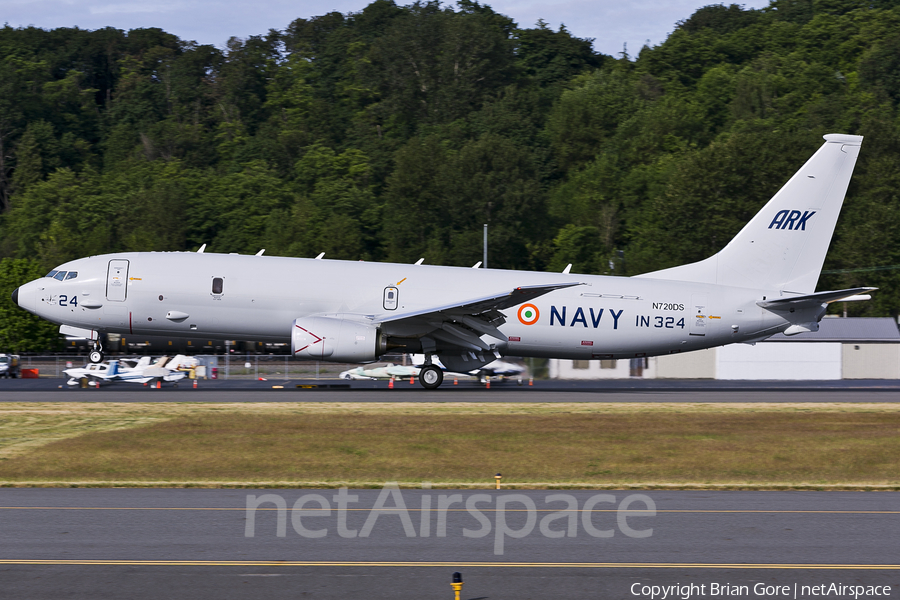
[270, 367]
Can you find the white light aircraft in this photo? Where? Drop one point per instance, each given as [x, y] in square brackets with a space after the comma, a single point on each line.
[496, 368]
[388, 371]
[763, 282]
[109, 371]
[129, 370]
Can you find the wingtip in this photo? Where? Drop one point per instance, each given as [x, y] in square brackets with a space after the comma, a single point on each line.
[845, 139]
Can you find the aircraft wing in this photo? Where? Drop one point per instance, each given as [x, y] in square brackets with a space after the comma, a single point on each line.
[477, 306]
[460, 326]
[79, 372]
[154, 371]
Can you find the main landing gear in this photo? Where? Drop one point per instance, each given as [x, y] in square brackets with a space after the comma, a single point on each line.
[431, 377]
[96, 354]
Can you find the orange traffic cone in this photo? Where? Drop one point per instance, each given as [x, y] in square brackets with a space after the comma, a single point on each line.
[158, 384]
[455, 381]
[195, 384]
[391, 384]
[531, 381]
[487, 382]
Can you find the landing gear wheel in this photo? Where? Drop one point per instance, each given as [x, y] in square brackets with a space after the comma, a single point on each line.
[96, 354]
[431, 377]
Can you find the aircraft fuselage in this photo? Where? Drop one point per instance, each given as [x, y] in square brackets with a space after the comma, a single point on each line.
[259, 297]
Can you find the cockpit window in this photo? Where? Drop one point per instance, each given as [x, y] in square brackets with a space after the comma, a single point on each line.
[51, 273]
[60, 275]
[71, 275]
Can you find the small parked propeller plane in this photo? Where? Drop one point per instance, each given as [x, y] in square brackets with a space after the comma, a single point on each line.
[763, 282]
[129, 370]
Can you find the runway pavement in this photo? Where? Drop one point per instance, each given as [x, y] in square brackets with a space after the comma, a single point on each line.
[206, 544]
[235, 390]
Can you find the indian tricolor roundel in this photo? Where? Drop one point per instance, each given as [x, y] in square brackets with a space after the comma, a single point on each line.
[528, 314]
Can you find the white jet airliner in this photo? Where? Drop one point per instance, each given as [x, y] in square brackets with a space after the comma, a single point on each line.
[763, 282]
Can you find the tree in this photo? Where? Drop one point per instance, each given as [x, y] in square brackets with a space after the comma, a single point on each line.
[438, 201]
[21, 331]
[434, 65]
[37, 155]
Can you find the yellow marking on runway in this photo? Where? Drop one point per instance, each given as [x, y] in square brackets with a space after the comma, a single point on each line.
[413, 509]
[324, 563]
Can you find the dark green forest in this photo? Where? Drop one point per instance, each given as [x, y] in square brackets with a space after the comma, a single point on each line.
[396, 132]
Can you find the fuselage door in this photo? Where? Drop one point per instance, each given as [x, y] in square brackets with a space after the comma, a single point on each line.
[699, 315]
[391, 298]
[117, 280]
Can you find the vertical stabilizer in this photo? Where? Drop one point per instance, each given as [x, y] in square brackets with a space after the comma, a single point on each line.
[783, 247]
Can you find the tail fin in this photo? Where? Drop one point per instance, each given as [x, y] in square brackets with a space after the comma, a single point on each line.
[783, 247]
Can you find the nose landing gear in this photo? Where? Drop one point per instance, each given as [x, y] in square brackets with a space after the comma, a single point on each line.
[96, 354]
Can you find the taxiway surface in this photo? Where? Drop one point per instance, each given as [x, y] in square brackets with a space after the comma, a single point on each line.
[235, 390]
[206, 544]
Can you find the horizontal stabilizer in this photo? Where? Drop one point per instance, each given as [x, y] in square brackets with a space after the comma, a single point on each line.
[811, 300]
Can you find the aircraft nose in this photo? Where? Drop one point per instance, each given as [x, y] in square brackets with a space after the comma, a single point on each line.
[23, 296]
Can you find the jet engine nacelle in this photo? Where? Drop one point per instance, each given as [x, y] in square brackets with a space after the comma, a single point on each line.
[336, 339]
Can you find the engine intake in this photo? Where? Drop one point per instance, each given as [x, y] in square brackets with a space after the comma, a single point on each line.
[336, 339]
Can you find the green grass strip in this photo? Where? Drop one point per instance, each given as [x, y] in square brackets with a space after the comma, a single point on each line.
[571, 446]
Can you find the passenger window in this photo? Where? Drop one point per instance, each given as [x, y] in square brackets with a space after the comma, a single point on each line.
[60, 275]
[217, 285]
[72, 275]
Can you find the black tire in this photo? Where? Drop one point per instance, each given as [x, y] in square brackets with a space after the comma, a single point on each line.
[431, 377]
[95, 356]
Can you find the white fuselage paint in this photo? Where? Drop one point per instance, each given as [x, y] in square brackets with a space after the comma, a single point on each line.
[604, 317]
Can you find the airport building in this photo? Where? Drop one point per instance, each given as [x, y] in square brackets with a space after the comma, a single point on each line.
[843, 348]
